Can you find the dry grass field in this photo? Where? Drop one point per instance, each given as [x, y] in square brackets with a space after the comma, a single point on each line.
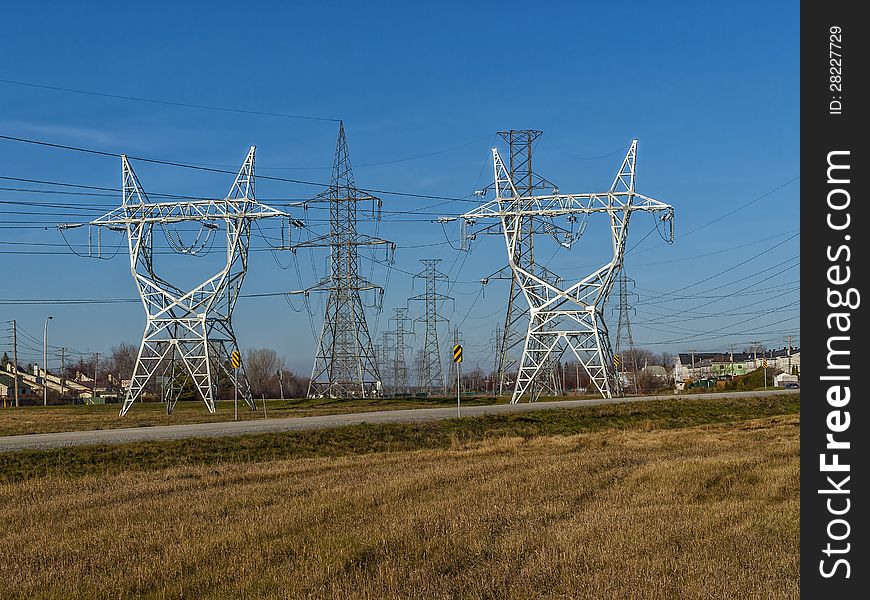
[708, 511]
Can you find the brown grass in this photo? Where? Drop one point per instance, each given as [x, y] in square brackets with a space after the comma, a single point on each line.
[704, 512]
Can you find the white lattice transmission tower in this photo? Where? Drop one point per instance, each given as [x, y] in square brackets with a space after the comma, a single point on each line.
[564, 316]
[188, 331]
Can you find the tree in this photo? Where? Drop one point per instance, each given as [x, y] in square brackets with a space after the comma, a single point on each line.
[122, 360]
[294, 386]
[262, 366]
[4, 361]
[755, 348]
[667, 361]
[639, 357]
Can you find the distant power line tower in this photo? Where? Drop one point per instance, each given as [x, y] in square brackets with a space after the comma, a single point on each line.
[345, 365]
[496, 342]
[382, 351]
[431, 371]
[191, 329]
[527, 182]
[398, 347]
[624, 338]
[567, 317]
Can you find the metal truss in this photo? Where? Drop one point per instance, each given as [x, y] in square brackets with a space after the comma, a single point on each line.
[345, 365]
[431, 372]
[396, 346]
[191, 328]
[624, 338]
[520, 144]
[567, 318]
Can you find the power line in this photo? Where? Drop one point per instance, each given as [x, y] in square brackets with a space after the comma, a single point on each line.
[167, 102]
[199, 167]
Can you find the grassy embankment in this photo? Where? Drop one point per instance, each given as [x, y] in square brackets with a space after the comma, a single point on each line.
[48, 419]
[675, 499]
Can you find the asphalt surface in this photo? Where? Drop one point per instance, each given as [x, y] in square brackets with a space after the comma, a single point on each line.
[44, 441]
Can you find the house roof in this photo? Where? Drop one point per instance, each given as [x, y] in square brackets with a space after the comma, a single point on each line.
[711, 357]
[9, 381]
[656, 370]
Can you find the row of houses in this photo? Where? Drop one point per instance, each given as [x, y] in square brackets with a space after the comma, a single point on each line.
[695, 366]
[32, 383]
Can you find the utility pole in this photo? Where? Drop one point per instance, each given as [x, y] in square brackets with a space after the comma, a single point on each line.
[694, 376]
[431, 371]
[788, 339]
[45, 361]
[345, 365]
[62, 367]
[280, 384]
[96, 365]
[755, 346]
[731, 352]
[15, 360]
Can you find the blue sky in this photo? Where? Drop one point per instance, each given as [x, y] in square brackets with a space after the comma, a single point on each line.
[711, 92]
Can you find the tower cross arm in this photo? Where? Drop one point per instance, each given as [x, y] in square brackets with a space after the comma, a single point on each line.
[566, 204]
[192, 210]
[326, 240]
[328, 284]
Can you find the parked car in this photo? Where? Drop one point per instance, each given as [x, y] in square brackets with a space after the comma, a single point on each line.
[792, 386]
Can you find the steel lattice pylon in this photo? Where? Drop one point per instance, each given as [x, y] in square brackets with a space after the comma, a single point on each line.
[520, 148]
[345, 365]
[563, 318]
[396, 350]
[527, 182]
[624, 339]
[430, 367]
[193, 327]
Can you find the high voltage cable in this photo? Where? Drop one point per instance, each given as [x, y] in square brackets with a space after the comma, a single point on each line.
[722, 251]
[731, 268]
[721, 334]
[738, 291]
[64, 301]
[251, 112]
[224, 171]
[168, 102]
[662, 297]
[728, 214]
[617, 151]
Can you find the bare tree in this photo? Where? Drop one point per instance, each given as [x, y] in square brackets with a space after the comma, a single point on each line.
[121, 361]
[667, 361]
[262, 366]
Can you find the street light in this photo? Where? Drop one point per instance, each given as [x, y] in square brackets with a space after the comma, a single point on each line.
[44, 367]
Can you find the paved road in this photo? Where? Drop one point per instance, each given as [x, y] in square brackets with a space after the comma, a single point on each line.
[42, 441]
